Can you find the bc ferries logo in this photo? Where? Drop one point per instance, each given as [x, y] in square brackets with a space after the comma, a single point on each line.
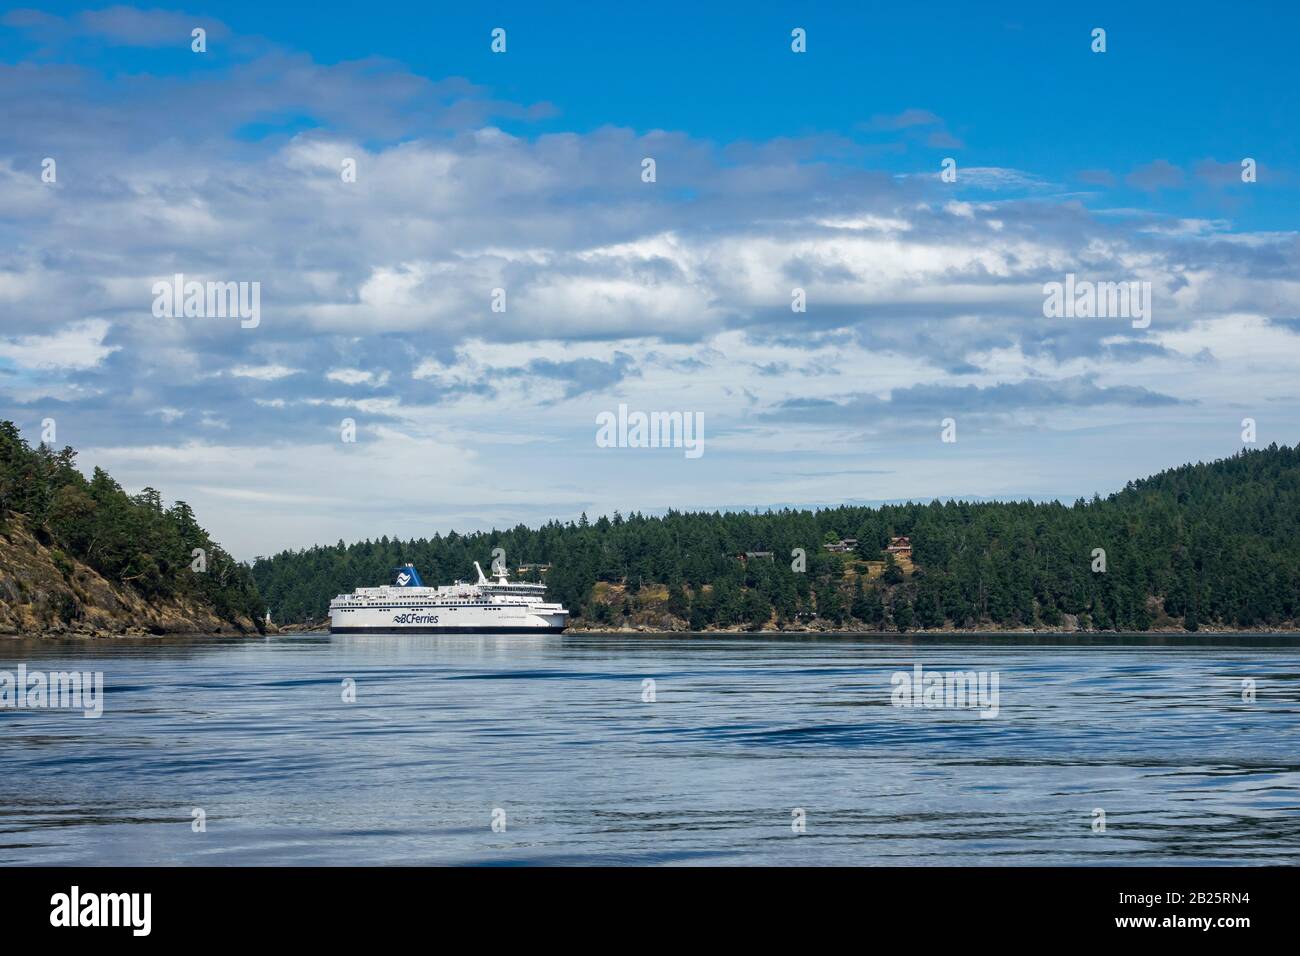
[407, 577]
[413, 618]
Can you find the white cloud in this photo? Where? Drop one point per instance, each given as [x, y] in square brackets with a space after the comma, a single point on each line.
[614, 293]
[264, 373]
[76, 346]
[352, 376]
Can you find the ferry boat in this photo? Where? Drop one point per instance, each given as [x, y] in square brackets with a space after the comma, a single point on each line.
[489, 606]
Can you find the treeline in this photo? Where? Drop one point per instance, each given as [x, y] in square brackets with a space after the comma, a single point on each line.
[131, 540]
[1202, 545]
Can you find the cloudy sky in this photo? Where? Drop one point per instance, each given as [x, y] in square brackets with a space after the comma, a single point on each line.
[523, 171]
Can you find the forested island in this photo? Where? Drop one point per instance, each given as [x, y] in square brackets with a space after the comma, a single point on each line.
[81, 557]
[1212, 545]
[1206, 545]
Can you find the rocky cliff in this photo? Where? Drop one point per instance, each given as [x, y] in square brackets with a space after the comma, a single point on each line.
[45, 593]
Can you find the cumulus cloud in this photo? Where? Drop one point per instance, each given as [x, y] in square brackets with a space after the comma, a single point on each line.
[80, 345]
[920, 299]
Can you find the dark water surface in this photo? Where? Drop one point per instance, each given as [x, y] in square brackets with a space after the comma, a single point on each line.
[553, 731]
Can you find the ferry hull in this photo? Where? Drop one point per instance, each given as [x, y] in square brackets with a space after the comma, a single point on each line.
[447, 630]
[488, 607]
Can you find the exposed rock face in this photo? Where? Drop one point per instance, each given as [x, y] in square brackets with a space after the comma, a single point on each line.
[314, 626]
[44, 593]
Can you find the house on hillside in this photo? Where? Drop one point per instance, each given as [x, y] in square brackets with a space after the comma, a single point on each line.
[900, 547]
[756, 556]
[842, 546]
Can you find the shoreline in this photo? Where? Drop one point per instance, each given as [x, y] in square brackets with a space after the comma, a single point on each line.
[75, 637]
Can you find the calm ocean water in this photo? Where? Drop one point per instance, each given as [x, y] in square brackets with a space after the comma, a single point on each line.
[553, 734]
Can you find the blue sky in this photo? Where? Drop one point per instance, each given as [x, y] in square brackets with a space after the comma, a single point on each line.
[1017, 87]
[521, 171]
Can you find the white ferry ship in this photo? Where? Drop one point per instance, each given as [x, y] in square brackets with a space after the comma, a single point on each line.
[486, 607]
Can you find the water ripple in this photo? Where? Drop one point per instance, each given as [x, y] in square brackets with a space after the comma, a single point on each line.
[745, 736]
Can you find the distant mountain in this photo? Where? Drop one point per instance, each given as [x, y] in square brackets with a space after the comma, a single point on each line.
[83, 557]
[1205, 545]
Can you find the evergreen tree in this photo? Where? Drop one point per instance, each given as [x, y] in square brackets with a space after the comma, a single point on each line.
[129, 539]
[1214, 545]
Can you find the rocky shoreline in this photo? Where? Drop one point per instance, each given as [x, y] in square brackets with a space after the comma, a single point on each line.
[46, 594]
[315, 629]
[832, 630]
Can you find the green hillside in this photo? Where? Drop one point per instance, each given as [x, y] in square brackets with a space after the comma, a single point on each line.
[82, 555]
[1204, 545]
